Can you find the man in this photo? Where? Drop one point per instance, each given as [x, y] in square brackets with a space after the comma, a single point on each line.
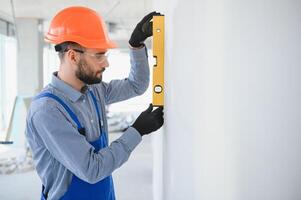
[66, 123]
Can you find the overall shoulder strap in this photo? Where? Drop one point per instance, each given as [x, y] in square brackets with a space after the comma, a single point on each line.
[66, 107]
[97, 110]
[95, 104]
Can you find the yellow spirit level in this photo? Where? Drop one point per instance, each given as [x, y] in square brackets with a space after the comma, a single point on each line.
[158, 53]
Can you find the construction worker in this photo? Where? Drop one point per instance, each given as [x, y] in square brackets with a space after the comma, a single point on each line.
[67, 128]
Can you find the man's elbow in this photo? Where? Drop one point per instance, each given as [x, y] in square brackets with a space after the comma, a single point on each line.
[92, 180]
[141, 91]
[90, 174]
[142, 87]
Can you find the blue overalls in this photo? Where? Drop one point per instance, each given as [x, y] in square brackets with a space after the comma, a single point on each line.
[79, 189]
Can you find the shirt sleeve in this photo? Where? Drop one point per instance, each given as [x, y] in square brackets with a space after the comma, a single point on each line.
[74, 152]
[136, 83]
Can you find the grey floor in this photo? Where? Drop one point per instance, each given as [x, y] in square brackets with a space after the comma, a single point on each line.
[133, 180]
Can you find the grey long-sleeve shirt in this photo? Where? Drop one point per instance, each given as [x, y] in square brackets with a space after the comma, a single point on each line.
[59, 151]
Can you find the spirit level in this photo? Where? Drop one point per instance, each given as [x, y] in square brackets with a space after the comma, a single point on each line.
[158, 53]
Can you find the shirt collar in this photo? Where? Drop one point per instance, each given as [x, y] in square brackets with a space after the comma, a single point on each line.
[68, 91]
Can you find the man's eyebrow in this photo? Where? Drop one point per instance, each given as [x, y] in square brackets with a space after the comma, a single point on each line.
[100, 53]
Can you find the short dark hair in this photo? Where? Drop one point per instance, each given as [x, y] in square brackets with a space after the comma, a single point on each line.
[62, 48]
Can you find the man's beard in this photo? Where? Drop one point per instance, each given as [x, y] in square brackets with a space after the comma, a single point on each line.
[86, 75]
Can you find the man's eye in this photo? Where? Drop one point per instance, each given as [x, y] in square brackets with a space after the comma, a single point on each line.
[99, 56]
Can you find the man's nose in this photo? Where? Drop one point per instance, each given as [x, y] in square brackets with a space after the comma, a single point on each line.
[105, 63]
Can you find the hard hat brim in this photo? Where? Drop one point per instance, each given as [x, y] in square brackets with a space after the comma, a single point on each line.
[92, 44]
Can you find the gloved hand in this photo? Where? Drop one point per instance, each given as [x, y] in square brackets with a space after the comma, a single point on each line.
[143, 30]
[149, 121]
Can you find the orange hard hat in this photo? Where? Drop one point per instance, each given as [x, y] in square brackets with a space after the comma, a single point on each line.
[81, 25]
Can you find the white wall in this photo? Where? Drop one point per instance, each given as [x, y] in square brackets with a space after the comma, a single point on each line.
[30, 56]
[233, 93]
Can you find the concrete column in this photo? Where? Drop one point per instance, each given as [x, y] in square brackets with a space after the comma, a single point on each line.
[30, 56]
[233, 101]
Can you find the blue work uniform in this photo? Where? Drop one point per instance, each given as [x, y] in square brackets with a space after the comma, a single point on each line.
[68, 161]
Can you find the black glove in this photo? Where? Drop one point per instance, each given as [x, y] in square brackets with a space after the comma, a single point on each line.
[143, 30]
[149, 121]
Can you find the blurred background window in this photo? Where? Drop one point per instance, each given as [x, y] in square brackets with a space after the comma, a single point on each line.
[8, 72]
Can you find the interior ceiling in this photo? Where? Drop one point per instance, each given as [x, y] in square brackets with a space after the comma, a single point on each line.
[124, 14]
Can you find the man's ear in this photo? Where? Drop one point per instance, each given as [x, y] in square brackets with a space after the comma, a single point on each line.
[72, 57]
